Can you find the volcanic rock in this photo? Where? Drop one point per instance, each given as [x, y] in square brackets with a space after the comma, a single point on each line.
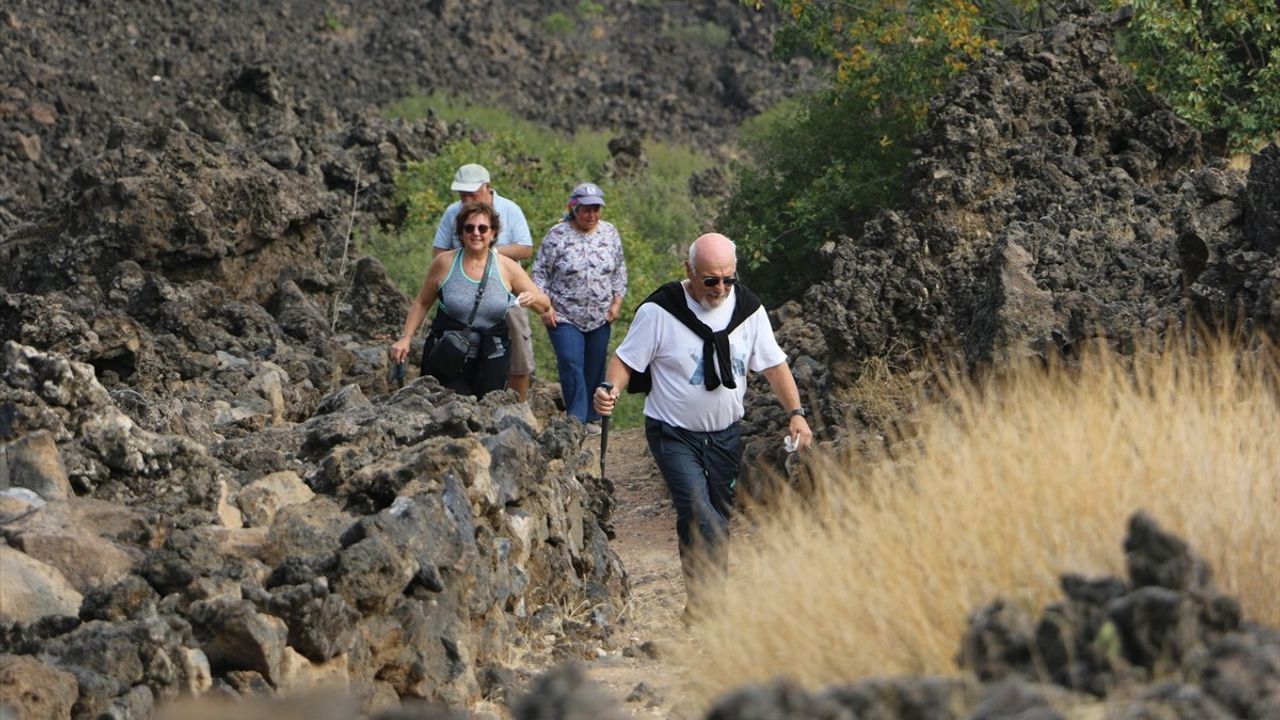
[1051, 201]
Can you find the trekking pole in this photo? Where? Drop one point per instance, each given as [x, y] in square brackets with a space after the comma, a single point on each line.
[604, 431]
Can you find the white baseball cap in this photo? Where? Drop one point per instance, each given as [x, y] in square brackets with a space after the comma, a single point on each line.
[469, 178]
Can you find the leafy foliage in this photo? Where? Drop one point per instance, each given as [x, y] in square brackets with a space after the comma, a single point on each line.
[1217, 62]
[331, 21]
[822, 167]
[588, 8]
[893, 55]
[537, 168]
[819, 169]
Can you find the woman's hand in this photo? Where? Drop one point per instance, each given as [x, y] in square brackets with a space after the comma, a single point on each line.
[400, 350]
[615, 308]
[549, 318]
[526, 298]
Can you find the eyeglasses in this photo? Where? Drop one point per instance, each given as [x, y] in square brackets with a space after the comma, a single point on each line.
[470, 227]
[712, 281]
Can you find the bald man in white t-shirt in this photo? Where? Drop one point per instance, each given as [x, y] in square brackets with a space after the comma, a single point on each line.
[699, 382]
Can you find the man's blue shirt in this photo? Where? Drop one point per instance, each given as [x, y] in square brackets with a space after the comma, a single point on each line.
[515, 229]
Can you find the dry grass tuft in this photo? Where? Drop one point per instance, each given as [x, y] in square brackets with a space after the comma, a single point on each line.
[882, 393]
[1011, 482]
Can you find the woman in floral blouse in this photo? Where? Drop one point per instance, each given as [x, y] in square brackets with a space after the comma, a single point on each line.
[580, 266]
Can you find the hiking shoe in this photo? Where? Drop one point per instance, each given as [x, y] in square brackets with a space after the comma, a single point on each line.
[593, 428]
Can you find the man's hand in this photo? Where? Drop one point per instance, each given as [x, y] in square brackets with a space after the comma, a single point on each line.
[784, 386]
[801, 435]
[615, 308]
[605, 400]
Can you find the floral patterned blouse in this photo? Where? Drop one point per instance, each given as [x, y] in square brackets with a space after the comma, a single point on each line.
[581, 272]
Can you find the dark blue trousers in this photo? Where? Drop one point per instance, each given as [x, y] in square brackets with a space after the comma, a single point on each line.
[580, 358]
[701, 471]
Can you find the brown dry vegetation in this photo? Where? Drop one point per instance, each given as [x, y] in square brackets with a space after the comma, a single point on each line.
[1010, 482]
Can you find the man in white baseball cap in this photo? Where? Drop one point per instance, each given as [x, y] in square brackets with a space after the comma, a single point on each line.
[472, 183]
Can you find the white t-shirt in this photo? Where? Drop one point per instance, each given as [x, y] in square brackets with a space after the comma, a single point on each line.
[661, 343]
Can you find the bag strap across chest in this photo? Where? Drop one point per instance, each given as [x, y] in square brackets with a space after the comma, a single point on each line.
[484, 282]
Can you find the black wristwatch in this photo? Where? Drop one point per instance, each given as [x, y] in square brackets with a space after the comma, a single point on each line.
[798, 411]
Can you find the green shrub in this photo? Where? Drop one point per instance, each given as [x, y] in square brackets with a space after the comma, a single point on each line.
[558, 23]
[331, 21]
[589, 9]
[820, 169]
[1216, 61]
[820, 166]
[537, 168]
[708, 34]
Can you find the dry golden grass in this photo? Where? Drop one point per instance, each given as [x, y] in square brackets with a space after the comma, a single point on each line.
[882, 392]
[1011, 482]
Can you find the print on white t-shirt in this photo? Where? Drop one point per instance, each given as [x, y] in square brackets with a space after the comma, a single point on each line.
[739, 364]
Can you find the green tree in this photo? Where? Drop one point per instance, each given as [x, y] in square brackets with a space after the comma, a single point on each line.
[821, 167]
[818, 170]
[893, 55]
[1216, 61]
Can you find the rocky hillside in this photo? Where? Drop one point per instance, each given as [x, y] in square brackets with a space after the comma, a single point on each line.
[210, 483]
[685, 71]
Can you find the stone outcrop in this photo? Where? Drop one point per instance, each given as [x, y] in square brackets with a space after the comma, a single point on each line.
[408, 539]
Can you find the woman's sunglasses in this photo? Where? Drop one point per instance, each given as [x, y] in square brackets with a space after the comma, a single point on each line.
[713, 281]
[470, 227]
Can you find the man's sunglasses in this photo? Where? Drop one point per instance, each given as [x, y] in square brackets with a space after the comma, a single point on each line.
[470, 227]
[713, 281]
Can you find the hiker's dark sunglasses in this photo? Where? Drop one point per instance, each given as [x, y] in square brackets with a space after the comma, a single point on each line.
[712, 281]
[471, 227]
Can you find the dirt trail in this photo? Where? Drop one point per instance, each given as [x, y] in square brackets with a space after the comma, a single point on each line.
[646, 542]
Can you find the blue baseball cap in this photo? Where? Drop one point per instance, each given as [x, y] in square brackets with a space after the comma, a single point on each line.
[587, 194]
